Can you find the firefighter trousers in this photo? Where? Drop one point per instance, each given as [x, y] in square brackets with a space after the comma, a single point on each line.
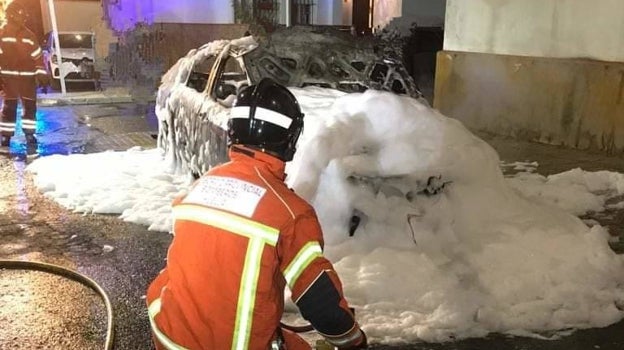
[16, 89]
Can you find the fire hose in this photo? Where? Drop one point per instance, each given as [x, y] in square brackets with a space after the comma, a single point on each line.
[84, 280]
[297, 329]
[73, 275]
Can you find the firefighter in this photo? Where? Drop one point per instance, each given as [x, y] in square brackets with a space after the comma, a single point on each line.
[240, 237]
[21, 70]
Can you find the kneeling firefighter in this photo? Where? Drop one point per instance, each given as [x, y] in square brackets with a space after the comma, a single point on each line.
[240, 236]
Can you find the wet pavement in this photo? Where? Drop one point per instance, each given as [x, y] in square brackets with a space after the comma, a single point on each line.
[42, 311]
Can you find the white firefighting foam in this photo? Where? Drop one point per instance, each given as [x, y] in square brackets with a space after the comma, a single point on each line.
[486, 254]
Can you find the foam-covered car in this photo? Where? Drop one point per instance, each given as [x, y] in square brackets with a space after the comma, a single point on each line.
[196, 94]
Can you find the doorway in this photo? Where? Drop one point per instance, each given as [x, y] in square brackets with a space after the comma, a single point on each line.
[362, 17]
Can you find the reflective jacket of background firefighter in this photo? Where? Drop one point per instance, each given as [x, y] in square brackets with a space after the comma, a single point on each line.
[240, 236]
[20, 53]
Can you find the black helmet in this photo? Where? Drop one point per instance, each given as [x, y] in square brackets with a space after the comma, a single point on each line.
[266, 117]
[16, 13]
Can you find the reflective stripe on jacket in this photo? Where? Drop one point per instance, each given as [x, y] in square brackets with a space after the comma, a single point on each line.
[20, 53]
[240, 236]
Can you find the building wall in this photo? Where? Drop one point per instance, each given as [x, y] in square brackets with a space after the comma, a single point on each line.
[182, 37]
[324, 12]
[144, 54]
[550, 71]
[66, 15]
[347, 13]
[577, 103]
[194, 11]
[123, 15]
[541, 28]
[385, 11]
[90, 20]
[337, 12]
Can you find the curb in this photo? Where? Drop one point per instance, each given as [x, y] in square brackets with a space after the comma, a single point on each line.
[94, 97]
[82, 100]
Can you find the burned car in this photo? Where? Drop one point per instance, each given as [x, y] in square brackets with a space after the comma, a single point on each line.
[196, 94]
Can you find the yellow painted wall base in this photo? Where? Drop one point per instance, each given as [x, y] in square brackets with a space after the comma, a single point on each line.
[577, 103]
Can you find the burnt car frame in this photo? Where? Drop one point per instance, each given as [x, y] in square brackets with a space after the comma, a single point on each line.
[196, 93]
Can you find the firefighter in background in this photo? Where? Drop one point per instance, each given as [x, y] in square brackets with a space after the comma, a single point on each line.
[21, 70]
[240, 237]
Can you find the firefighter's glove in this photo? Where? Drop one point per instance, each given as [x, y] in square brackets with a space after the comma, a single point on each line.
[361, 343]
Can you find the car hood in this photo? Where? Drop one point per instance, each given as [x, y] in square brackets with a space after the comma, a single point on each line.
[77, 53]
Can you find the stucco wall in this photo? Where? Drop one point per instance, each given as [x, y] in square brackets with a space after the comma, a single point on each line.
[385, 11]
[193, 11]
[182, 37]
[347, 13]
[146, 53]
[542, 28]
[126, 13]
[550, 71]
[577, 103]
[324, 12]
[72, 15]
[80, 16]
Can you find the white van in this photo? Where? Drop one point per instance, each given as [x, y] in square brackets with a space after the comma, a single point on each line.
[77, 55]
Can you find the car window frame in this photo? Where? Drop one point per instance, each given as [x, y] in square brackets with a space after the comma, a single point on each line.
[218, 70]
[215, 73]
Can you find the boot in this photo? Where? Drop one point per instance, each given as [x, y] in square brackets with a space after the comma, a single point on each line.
[5, 140]
[31, 144]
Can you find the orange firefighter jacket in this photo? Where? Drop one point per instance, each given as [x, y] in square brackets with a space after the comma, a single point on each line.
[241, 236]
[20, 53]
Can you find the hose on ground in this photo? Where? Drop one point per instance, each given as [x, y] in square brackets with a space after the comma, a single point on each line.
[73, 275]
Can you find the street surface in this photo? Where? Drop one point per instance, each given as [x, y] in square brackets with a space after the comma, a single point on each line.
[41, 311]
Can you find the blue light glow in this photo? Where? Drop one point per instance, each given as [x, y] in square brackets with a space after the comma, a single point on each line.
[56, 133]
[124, 17]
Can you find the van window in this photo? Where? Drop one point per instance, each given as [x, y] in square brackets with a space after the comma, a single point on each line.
[76, 41]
